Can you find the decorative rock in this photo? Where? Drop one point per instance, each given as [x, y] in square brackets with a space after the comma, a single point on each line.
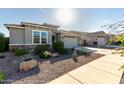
[74, 55]
[55, 55]
[27, 65]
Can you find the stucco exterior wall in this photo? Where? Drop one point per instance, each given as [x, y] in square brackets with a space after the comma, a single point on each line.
[17, 36]
[24, 36]
[28, 34]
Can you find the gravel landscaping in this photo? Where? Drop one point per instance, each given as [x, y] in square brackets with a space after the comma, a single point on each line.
[47, 70]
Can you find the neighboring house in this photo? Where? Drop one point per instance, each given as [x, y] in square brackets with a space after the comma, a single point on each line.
[29, 35]
[100, 38]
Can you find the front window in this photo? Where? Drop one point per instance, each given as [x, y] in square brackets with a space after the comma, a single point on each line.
[43, 37]
[40, 37]
[36, 37]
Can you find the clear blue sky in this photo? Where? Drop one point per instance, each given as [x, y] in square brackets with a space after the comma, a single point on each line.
[85, 19]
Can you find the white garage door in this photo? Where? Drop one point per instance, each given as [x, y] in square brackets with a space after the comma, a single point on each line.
[70, 42]
[101, 41]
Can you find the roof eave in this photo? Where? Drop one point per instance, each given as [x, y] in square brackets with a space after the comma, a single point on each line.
[38, 25]
[12, 26]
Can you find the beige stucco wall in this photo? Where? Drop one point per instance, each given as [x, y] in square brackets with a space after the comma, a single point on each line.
[16, 36]
[24, 36]
[28, 34]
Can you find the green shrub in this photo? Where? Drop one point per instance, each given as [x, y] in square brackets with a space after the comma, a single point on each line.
[83, 51]
[2, 42]
[62, 51]
[120, 39]
[41, 48]
[20, 51]
[58, 46]
[45, 54]
[2, 76]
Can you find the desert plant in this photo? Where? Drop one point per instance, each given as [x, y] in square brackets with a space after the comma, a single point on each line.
[63, 51]
[2, 76]
[2, 42]
[28, 57]
[45, 54]
[20, 51]
[41, 48]
[120, 39]
[58, 46]
[83, 51]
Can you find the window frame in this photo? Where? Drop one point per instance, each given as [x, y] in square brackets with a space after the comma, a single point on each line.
[40, 37]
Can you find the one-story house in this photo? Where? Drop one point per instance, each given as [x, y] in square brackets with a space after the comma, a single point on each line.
[29, 35]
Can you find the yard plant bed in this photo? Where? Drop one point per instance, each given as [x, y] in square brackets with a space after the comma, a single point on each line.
[47, 70]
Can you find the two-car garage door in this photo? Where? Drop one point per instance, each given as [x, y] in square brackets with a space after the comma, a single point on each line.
[70, 42]
[101, 41]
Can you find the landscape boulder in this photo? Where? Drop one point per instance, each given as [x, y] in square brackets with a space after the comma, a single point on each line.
[28, 65]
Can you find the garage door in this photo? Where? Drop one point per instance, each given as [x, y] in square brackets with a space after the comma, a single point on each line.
[101, 41]
[70, 42]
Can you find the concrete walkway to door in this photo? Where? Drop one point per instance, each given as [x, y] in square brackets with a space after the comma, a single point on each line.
[102, 70]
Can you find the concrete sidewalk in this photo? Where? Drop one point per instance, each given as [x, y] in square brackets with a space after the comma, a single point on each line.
[102, 70]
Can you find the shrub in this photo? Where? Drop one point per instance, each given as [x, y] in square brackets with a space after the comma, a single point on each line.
[41, 48]
[45, 54]
[62, 51]
[28, 57]
[120, 39]
[2, 76]
[20, 51]
[2, 42]
[58, 46]
[83, 51]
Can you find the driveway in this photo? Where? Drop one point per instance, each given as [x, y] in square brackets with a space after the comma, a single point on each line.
[97, 50]
[102, 70]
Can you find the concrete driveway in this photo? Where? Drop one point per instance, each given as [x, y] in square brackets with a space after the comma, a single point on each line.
[102, 70]
[97, 50]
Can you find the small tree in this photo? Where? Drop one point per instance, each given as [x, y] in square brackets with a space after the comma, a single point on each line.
[120, 39]
[2, 42]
